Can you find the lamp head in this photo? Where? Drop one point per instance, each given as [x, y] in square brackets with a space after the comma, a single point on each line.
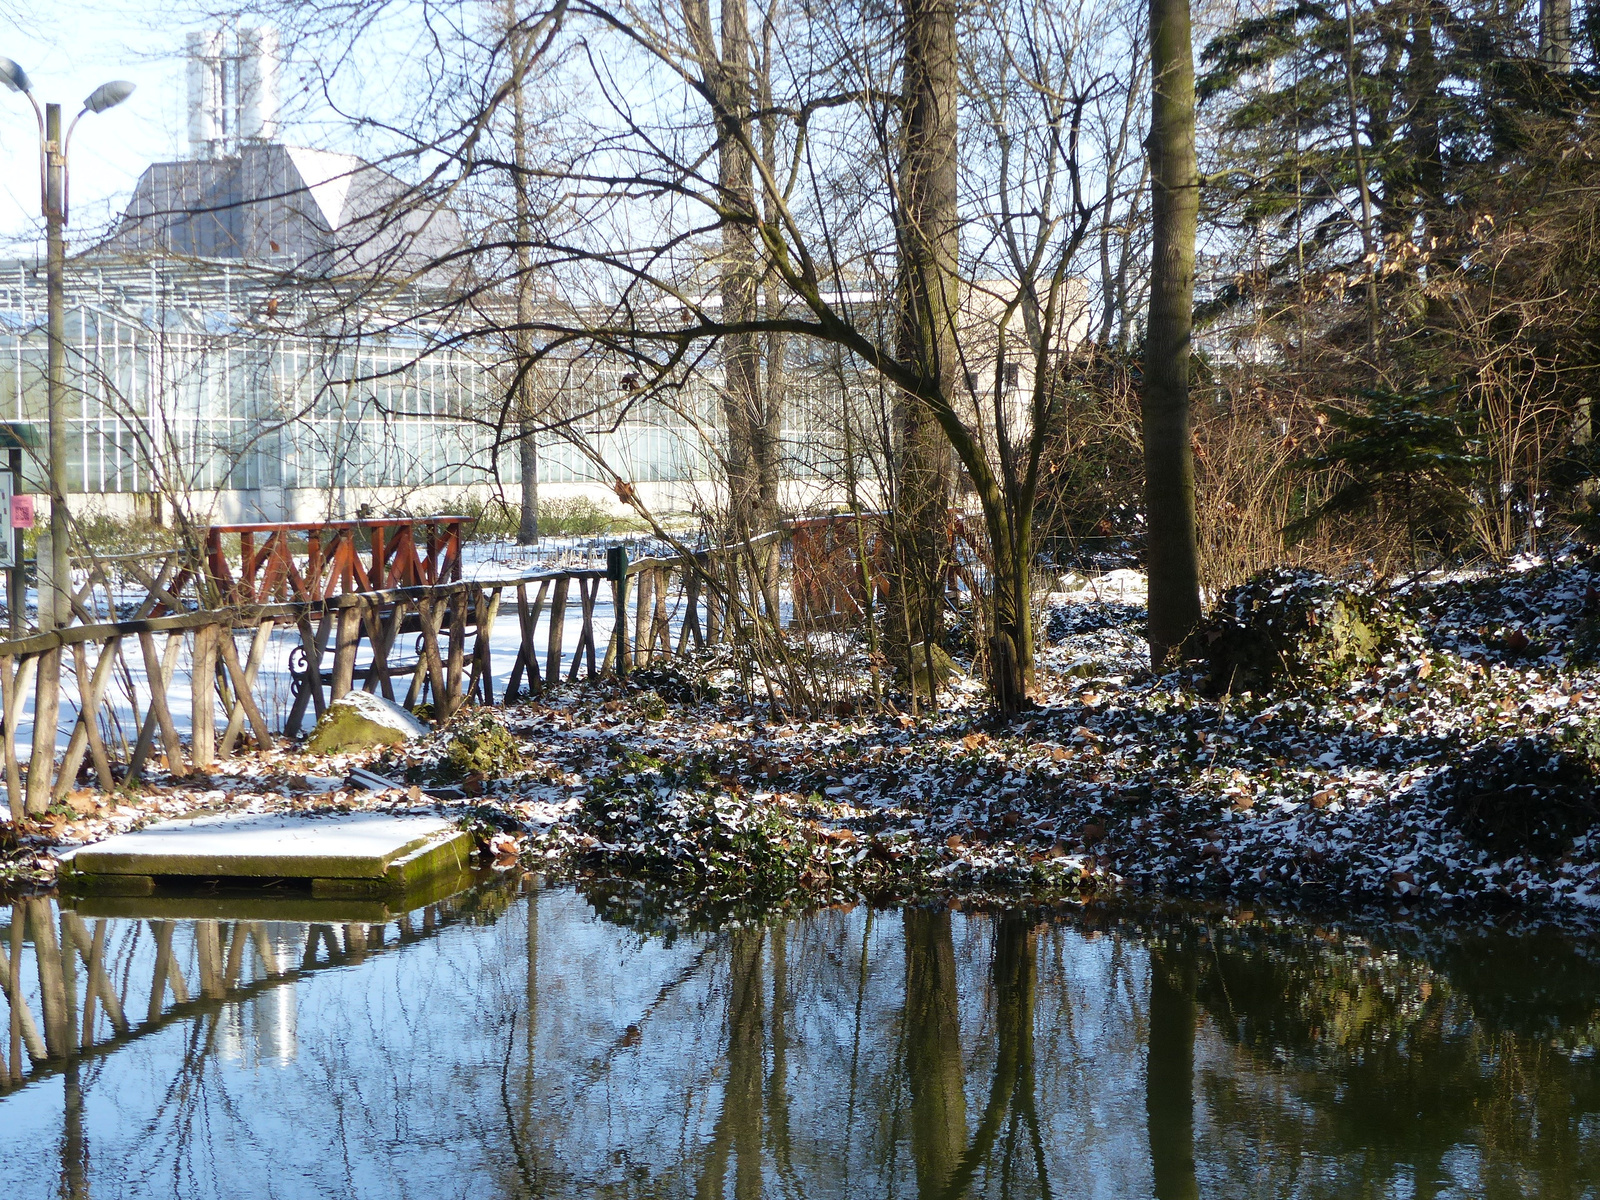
[108, 95]
[14, 77]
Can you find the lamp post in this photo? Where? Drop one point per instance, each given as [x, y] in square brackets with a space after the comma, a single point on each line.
[55, 606]
[53, 204]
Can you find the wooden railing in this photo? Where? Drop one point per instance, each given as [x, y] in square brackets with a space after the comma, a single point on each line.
[701, 590]
[401, 552]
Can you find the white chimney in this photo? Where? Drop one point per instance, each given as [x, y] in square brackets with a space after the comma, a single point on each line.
[258, 84]
[205, 90]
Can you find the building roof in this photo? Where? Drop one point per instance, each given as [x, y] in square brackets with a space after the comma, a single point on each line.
[308, 211]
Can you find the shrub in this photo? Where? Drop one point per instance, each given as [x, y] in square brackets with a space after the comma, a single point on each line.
[1523, 795]
[574, 516]
[480, 745]
[1288, 626]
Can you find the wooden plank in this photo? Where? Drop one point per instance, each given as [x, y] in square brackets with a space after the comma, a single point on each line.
[381, 633]
[519, 664]
[557, 632]
[16, 687]
[458, 646]
[660, 624]
[203, 699]
[714, 599]
[643, 604]
[159, 673]
[46, 711]
[344, 652]
[236, 719]
[691, 613]
[527, 657]
[244, 681]
[481, 679]
[97, 746]
[312, 646]
[588, 592]
[89, 706]
[427, 618]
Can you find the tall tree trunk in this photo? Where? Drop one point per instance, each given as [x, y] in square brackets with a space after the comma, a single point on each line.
[726, 74]
[740, 280]
[927, 237]
[519, 46]
[767, 428]
[1555, 34]
[1172, 556]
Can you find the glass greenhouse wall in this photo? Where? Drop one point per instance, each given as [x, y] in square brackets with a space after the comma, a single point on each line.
[198, 382]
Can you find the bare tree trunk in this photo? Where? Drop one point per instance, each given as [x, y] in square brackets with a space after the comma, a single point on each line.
[767, 428]
[928, 299]
[519, 47]
[727, 79]
[1369, 245]
[1555, 34]
[1171, 553]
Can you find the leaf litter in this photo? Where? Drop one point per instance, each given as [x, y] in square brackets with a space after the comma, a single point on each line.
[1454, 766]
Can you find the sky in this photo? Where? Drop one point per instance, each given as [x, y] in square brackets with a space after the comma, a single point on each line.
[68, 48]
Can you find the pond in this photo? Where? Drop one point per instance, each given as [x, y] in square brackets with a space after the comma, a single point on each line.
[516, 1041]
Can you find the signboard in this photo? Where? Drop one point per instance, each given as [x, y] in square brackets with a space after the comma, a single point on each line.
[21, 508]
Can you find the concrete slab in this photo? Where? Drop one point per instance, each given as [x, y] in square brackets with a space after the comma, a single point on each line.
[270, 904]
[360, 853]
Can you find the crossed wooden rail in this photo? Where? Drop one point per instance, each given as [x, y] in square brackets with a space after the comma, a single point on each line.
[442, 670]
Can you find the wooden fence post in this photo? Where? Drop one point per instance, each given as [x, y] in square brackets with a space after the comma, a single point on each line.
[46, 713]
[244, 681]
[644, 599]
[344, 652]
[203, 700]
[85, 732]
[557, 634]
[159, 672]
[16, 687]
[458, 643]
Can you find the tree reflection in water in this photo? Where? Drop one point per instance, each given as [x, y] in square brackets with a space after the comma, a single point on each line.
[513, 1043]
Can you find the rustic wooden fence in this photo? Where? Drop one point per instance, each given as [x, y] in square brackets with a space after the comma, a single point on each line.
[449, 662]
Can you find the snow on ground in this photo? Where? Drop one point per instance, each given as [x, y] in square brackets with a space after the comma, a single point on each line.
[1324, 795]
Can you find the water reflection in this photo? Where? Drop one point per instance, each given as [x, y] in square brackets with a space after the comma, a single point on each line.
[509, 1042]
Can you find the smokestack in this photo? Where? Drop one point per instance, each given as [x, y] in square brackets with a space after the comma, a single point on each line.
[205, 91]
[258, 84]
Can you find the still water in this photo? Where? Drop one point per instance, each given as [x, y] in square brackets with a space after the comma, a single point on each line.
[511, 1042]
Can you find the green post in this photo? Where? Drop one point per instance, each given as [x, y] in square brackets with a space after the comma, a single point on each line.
[617, 573]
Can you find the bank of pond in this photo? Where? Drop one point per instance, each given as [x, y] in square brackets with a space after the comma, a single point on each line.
[519, 1039]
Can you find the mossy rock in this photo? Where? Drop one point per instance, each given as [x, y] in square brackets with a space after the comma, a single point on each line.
[361, 720]
[944, 668]
[480, 745]
[1287, 628]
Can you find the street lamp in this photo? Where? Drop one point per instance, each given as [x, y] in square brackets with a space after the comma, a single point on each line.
[53, 204]
[55, 609]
